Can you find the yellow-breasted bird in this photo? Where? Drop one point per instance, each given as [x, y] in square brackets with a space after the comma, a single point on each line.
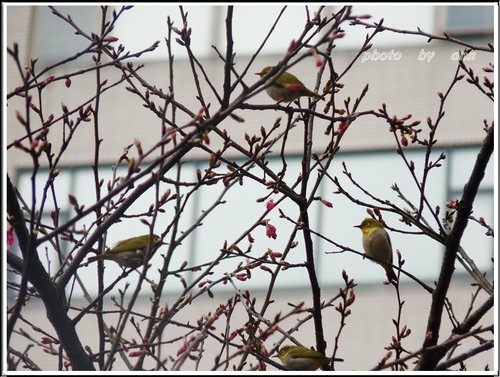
[129, 252]
[301, 358]
[286, 87]
[377, 245]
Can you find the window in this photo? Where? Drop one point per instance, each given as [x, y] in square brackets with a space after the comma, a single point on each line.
[467, 20]
[54, 39]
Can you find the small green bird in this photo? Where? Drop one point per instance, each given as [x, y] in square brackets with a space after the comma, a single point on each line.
[286, 87]
[301, 358]
[129, 252]
[377, 245]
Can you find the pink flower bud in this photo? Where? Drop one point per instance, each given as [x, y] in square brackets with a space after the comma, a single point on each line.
[48, 79]
[271, 231]
[182, 349]
[342, 127]
[46, 340]
[10, 237]
[110, 38]
[318, 61]
[242, 276]
[233, 335]
[327, 203]
[250, 238]
[270, 204]
[404, 141]
[263, 350]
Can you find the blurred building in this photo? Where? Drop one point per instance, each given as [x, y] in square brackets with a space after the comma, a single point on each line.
[403, 71]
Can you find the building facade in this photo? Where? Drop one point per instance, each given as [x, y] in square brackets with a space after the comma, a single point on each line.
[405, 72]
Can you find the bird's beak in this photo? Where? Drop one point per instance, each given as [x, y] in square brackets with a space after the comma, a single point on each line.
[357, 226]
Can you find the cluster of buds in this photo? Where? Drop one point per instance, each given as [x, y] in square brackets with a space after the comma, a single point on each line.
[184, 35]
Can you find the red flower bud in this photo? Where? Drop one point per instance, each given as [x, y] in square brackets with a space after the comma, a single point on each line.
[342, 127]
[46, 340]
[10, 237]
[270, 204]
[271, 231]
[404, 141]
[318, 61]
[327, 203]
[250, 238]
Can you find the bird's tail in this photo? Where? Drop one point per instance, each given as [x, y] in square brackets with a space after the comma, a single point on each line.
[317, 95]
[390, 274]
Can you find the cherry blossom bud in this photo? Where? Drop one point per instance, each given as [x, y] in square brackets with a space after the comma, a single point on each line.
[10, 237]
[271, 231]
[344, 275]
[327, 203]
[46, 340]
[182, 348]
[404, 140]
[342, 127]
[48, 80]
[318, 61]
[242, 276]
[110, 38]
[270, 204]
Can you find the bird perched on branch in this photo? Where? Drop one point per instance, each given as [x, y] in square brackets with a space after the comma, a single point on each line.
[286, 87]
[377, 245]
[130, 252]
[302, 358]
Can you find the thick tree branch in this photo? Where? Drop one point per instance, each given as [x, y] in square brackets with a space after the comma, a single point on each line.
[430, 359]
[52, 295]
